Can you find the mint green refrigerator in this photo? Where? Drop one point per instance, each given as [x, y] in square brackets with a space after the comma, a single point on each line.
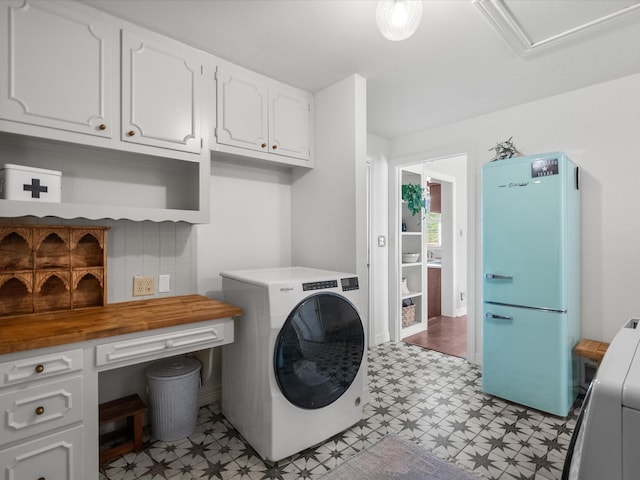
[531, 280]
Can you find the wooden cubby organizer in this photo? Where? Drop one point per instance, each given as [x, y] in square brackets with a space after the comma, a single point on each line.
[44, 268]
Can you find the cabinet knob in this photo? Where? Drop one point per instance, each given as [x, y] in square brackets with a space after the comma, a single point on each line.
[264, 145]
[131, 133]
[41, 478]
[102, 126]
[275, 147]
[39, 410]
[39, 368]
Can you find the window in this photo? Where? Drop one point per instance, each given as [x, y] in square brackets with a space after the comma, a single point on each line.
[434, 229]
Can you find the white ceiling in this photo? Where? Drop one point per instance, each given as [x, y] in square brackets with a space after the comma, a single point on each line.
[456, 66]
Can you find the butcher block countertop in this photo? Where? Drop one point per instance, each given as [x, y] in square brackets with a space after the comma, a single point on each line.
[39, 330]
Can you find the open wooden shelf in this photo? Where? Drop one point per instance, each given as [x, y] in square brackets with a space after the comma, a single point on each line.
[45, 268]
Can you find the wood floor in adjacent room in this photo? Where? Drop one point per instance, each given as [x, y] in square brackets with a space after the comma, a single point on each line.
[444, 334]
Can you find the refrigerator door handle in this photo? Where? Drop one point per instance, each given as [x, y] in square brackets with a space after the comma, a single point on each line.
[493, 276]
[497, 317]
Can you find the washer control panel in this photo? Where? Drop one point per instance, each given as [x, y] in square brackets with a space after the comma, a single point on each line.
[319, 285]
[350, 283]
[347, 284]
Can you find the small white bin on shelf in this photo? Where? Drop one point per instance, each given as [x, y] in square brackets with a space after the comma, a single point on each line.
[18, 182]
[173, 385]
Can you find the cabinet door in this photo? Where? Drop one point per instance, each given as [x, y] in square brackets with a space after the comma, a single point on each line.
[242, 110]
[57, 456]
[434, 289]
[435, 193]
[290, 122]
[57, 68]
[161, 93]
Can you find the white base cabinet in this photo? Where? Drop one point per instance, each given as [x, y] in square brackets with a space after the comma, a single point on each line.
[57, 457]
[42, 409]
[49, 397]
[261, 118]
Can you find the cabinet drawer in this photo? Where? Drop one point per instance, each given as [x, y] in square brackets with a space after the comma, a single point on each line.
[43, 366]
[38, 409]
[158, 346]
[56, 457]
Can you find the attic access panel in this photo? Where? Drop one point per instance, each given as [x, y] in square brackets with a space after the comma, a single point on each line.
[529, 26]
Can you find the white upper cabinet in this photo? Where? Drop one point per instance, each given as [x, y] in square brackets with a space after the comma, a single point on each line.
[290, 122]
[259, 114]
[161, 93]
[118, 109]
[36, 88]
[243, 107]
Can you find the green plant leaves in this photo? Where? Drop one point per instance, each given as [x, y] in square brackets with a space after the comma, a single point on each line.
[413, 194]
[506, 149]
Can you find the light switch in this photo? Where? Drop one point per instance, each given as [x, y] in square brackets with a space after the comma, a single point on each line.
[164, 283]
[382, 240]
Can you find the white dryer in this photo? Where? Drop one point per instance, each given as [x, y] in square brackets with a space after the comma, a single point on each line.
[294, 375]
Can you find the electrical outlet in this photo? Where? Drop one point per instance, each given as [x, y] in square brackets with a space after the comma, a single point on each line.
[144, 285]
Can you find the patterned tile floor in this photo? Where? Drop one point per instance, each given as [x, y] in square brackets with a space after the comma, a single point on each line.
[430, 398]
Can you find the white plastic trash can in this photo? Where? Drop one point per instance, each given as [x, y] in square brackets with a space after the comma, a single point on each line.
[172, 386]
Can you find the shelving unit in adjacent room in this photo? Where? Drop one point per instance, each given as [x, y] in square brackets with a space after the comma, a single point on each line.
[413, 301]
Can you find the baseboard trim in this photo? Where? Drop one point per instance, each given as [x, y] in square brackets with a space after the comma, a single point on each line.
[382, 338]
[209, 394]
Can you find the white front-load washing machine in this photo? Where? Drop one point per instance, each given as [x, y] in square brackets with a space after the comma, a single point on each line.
[295, 373]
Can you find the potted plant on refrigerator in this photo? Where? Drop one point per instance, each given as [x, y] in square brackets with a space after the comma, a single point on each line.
[506, 149]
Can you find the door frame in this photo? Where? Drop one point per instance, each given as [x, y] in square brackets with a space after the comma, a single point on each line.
[395, 166]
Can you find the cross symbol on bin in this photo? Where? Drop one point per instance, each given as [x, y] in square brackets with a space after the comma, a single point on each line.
[35, 188]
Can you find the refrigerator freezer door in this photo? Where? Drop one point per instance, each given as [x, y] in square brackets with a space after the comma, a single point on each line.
[526, 358]
[523, 222]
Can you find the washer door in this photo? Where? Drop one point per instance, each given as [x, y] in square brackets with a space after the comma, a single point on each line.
[319, 350]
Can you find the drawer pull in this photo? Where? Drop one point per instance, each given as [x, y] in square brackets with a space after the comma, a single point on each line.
[39, 410]
[39, 368]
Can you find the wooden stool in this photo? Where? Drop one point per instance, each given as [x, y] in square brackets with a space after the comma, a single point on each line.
[132, 408]
[591, 349]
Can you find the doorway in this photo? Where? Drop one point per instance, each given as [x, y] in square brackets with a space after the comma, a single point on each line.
[444, 263]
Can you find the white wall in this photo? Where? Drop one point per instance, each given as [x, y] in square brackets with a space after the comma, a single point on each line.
[377, 151]
[329, 202]
[250, 221]
[250, 228]
[597, 127]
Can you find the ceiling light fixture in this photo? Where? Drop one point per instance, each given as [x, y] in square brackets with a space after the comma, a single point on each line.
[398, 19]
